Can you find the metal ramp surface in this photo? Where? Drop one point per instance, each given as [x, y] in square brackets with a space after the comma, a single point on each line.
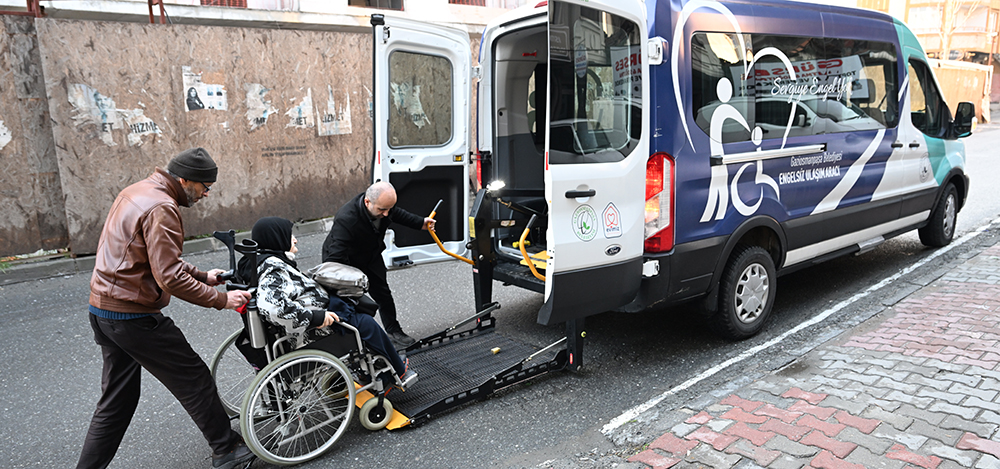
[455, 371]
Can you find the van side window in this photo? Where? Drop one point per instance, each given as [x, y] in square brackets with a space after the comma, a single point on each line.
[799, 86]
[420, 95]
[595, 85]
[927, 110]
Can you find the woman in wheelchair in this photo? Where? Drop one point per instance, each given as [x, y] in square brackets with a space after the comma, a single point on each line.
[288, 298]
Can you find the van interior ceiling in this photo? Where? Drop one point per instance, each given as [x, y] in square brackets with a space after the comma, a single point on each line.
[519, 154]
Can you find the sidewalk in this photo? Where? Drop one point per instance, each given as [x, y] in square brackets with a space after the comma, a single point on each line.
[918, 388]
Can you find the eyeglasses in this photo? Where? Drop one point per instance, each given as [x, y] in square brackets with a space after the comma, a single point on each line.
[207, 188]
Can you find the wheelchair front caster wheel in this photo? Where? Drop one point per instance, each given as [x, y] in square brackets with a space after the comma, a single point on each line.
[373, 416]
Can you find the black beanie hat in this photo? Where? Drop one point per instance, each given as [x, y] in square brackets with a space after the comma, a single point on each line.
[194, 164]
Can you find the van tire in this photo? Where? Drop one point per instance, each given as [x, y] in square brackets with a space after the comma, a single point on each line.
[746, 293]
[940, 230]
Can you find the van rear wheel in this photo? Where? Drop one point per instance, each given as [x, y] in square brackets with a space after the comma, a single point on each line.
[746, 293]
[941, 228]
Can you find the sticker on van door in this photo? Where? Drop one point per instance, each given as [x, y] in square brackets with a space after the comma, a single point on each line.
[612, 221]
[585, 222]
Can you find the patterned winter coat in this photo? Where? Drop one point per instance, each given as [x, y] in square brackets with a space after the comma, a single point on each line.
[288, 298]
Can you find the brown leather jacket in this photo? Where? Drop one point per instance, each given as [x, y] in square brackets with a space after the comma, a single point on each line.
[138, 265]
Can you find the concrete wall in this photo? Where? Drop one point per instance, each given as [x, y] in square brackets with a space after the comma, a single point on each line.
[116, 95]
[30, 192]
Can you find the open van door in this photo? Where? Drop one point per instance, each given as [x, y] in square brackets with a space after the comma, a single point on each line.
[596, 150]
[421, 111]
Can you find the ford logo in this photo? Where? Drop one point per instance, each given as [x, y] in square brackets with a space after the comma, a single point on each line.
[613, 249]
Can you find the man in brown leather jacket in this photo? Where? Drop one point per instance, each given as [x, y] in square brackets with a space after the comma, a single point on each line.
[138, 268]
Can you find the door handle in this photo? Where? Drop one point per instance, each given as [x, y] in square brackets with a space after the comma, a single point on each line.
[914, 145]
[580, 194]
[896, 145]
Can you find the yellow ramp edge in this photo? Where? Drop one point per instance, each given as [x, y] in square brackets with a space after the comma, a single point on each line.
[538, 259]
[398, 420]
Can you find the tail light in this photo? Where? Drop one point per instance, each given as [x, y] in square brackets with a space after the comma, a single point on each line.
[659, 225]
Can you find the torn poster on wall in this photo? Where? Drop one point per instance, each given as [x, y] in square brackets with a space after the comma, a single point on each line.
[200, 95]
[337, 118]
[92, 107]
[406, 98]
[5, 135]
[258, 109]
[301, 115]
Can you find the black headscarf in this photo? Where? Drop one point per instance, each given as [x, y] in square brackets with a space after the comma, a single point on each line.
[274, 238]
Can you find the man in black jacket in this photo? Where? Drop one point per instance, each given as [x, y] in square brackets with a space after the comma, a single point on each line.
[357, 239]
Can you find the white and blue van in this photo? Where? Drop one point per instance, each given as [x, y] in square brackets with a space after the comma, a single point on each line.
[667, 151]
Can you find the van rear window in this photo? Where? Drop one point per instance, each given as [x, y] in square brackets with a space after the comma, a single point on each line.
[595, 85]
[791, 86]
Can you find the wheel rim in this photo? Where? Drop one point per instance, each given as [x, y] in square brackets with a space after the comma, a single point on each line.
[751, 293]
[949, 216]
[289, 415]
[232, 374]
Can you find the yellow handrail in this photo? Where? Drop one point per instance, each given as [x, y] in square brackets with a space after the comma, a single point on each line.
[438, 241]
[524, 253]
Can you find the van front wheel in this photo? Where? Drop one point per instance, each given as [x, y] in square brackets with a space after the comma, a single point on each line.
[746, 293]
[941, 228]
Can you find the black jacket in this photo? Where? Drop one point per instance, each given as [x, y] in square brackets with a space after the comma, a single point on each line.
[354, 239]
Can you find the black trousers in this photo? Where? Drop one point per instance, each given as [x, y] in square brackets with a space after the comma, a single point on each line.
[378, 289]
[158, 345]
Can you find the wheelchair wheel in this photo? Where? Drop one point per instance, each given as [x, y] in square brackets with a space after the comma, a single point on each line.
[232, 374]
[293, 411]
[373, 416]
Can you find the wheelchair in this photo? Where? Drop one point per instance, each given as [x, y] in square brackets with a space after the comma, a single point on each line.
[293, 405]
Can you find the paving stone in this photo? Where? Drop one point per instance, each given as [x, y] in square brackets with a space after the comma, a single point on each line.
[957, 374]
[895, 375]
[915, 368]
[778, 413]
[829, 429]
[836, 355]
[930, 417]
[962, 457]
[878, 401]
[988, 416]
[877, 445]
[670, 443]
[797, 450]
[684, 429]
[984, 394]
[967, 413]
[971, 441]
[761, 456]
[854, 406]
[836, 391]
[862, 424]
[793, 432]
[900, 422]
[786, 461]
[870, 460]
[869, 380]
[717, 440]
[746, 405]
[839, 448]
[933, 393]
[988, 462]
[934, 432]
[921, 402]
[719, 460]
[911, 441]
[822, 413]
[755, 436]
[827, 460]
[975, 427]
[654, 459]
[718, 408]
[889, 383]
[718, 425]
[981, 404]
[900, 453]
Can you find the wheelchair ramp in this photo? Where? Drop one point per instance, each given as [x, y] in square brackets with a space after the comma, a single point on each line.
[461, 370]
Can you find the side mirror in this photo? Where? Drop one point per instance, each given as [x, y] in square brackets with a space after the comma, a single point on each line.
[964, 118]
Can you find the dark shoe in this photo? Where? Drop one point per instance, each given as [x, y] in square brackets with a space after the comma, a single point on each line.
[400, 339]
[238, 455]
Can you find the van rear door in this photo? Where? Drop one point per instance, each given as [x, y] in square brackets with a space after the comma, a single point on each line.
[596, 149]
[421, 109]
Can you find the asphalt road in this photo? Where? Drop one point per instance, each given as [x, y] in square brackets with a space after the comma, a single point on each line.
[50, 380]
